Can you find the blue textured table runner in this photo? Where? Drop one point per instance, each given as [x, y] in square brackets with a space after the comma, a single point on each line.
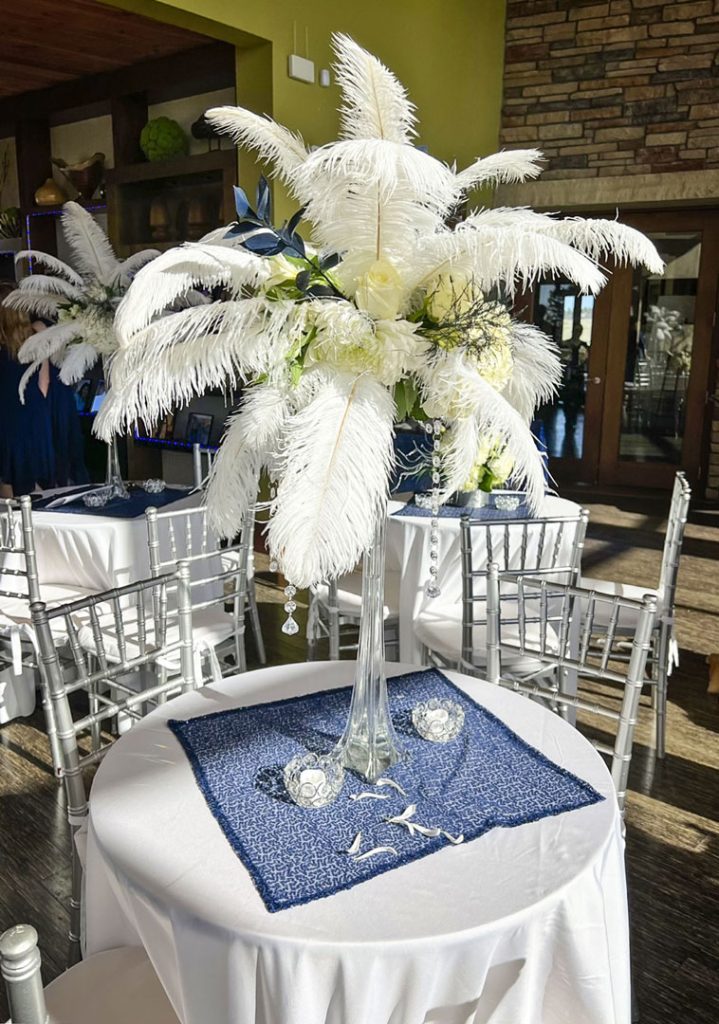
[117, 508]
[484, 513]
[486, 778]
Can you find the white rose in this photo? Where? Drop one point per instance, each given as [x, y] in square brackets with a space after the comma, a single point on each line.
[501, 466]
[380, 291]
[281, 270]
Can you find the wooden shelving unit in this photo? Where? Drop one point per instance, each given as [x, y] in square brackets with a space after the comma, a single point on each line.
[191, 194]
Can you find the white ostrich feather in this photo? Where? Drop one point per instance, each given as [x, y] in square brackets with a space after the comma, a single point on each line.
[47, 344]
[507, 166]
[275, 144]
[179, 271]
[336, 462]
[43, 285]
[134, 263]
[185, 354]
[455, 385]
[371, 197]
[93, 253]
[34, 305]
[77, 361]
[251, 436]
[537, 370]
[602, 238]
[517, 257]
[374, 103]
[52, 263]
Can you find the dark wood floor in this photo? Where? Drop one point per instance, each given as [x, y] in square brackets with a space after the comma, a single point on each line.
[672, 812]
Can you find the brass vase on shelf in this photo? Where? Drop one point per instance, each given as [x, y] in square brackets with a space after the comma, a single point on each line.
[49, 194]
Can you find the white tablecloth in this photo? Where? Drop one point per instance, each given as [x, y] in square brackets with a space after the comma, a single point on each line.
[77, 554]
[521, 926]
[408, 554]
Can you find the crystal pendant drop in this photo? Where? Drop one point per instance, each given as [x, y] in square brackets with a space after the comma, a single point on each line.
[289, 626]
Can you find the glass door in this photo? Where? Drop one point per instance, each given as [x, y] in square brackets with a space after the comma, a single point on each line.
[567, 428]
[659, 355]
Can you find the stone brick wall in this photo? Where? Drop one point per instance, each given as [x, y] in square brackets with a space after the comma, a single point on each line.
[623, 87]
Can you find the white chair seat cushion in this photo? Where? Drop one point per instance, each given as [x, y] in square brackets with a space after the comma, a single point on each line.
[349, 595]
[210, 627]
[628, 617]
[53, 594]
[116, 987]
[440, 630]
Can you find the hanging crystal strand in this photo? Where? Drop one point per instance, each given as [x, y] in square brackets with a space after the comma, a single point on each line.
[274, 566]
[369, 744]
[431, 587]
[290, 627]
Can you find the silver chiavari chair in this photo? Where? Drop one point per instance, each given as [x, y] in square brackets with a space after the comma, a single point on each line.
[456, 637]
[119, 984]
[551, 625]
[19, 588]
[220, 578]
[337, 604]
[112, 637]
[663, 654]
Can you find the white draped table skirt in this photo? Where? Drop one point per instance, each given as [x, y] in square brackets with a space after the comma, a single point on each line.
[526, 925]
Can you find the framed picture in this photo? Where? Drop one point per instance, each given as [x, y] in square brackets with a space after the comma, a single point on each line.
[83, 391]
[99, 396]
[199, 425]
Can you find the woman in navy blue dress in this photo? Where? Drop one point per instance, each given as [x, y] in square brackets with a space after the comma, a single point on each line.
[40, 440]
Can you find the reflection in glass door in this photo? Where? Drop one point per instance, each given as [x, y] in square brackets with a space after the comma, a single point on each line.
[659, 353]
[566, 317]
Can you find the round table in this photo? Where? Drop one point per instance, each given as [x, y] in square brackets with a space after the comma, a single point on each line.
[523, 924]
[408, 549]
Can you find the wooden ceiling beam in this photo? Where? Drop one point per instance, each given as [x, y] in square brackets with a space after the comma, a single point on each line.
[199, 70]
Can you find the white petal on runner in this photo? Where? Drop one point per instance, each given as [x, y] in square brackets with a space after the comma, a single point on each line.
[369, 796]
[393, 784]
[356, 843]
[375, 851]
[403, 818]
[454, 840]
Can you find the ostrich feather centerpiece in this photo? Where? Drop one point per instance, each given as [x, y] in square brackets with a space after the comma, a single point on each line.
[81, 299]
[387, 308]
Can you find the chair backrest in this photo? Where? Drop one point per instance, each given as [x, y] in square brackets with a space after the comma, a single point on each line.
[548, 547]
[553, 631]
[202, 459]
[138, 620]
[18, 560]
[674, 537]
[20, 966]
[218, 575]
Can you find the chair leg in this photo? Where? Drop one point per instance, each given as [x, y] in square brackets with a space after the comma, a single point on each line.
[255, 622]
[660, 713]
[55, 752]
[75, 937]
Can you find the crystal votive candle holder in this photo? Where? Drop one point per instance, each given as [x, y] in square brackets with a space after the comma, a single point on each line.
[314, 780]
[509, 501]
[438, 720]
[96, 499]
[154, 486]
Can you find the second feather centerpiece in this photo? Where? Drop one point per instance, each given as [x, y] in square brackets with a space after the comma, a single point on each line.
[385, 313]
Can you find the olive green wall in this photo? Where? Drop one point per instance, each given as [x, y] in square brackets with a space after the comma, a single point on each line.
[448, 53]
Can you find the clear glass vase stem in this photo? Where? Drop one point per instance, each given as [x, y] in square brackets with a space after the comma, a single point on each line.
[369, 744]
